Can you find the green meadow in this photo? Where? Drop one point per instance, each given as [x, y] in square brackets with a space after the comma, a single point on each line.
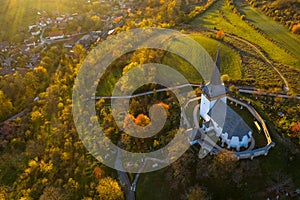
[230, 60]
[270, 28]
[220, 16]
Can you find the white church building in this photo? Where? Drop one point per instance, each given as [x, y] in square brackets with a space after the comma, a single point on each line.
[220, 118]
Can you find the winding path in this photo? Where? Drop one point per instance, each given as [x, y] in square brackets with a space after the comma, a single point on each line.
[20, 114]
[256, 49]
[286, 87]
[123, 177]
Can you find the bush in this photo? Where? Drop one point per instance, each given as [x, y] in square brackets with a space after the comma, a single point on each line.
[220, 35]
[296, 28]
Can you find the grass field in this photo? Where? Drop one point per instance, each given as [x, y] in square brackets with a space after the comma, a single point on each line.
[272, 29]
[230, 64]
[220, 16]
[230, 60]
[260, 139]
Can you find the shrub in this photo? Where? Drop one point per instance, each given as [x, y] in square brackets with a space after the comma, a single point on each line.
[220, 35]
[296, 28]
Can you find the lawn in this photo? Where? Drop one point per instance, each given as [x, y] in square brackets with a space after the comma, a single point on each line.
[220, 16]
[260, 139]
[230, 60]
[271, 28]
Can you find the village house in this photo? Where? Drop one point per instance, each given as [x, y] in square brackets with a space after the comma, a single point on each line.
[73, 33]
[4, 46]
[30, 42]
[54, 35]
[87, 40]
[35, 31]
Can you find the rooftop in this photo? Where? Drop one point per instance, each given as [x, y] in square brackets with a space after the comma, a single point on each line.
[233, 124]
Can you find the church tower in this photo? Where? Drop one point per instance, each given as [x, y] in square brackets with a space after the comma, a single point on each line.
[212, 91]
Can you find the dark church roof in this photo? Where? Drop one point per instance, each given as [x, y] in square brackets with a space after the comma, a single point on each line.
[213, 91]
[232, 123]
[215, 88]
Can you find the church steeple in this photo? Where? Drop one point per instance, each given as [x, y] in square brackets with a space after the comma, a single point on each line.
[212, 92]
[215, 77]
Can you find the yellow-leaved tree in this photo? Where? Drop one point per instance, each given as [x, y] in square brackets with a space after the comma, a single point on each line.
[109, 189]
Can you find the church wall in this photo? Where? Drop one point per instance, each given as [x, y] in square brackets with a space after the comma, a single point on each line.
[205, 106]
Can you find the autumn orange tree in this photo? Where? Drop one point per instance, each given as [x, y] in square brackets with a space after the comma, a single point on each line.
[296, 28]
[220, 35]
[295, 131]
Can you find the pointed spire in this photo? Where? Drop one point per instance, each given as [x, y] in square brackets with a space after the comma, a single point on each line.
[215, 77]
[218, 59]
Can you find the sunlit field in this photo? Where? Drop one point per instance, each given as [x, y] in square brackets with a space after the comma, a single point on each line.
[272, 29]
[232, 23]
[17, 15]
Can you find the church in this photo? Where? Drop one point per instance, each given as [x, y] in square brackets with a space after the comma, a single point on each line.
[219, 117]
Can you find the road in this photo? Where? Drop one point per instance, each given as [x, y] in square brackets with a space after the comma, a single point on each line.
[268, 61]
[264, 57]
[123, 176]
[248, 91]
[20, 114]
[266, 94]
[144, 93]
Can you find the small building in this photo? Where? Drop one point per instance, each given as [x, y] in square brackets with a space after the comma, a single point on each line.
[4, 46]
[56, 35]
[35, 32]
[32, 26]
[30, 42]
[59, 19]
[111, 31]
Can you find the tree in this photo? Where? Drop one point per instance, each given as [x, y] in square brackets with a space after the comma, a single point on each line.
[179, 174]
[37, 119]
[296, 28]
[4, 192]
[225, 78]
[98, 172]
[295, 131]
[6, 106]
[223, 164]
[109, 189]
[142, 120]
[52, 193]
[195, 193]
[220, 35]
[41, 76]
